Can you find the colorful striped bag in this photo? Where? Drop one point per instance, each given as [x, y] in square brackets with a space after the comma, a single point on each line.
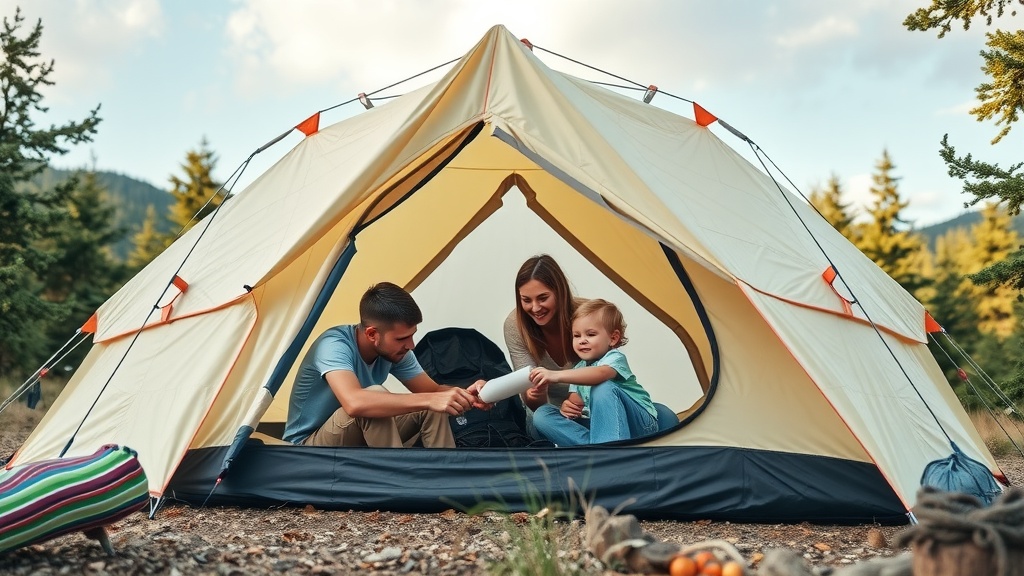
[43, 500]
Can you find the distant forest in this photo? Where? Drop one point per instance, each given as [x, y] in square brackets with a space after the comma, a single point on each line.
[965, 221]
[130, 196]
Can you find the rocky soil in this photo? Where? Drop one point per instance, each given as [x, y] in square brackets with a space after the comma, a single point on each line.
[230, 541]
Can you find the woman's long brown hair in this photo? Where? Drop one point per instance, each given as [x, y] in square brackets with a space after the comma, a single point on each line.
[545, 270]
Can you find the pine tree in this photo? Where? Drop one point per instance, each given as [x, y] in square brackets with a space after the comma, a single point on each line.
[885, 239]
[1001, 97]
[828, 202]
[994, 240]
[84, 271]
[194, 190]
[148, 243]
[26, 217]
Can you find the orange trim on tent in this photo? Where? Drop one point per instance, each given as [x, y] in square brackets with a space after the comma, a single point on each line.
[527, 43]
[310, 125]
[930, 325]
[91, 324]
[162, 322]
[702, 116]
[829, 275]
[858, 319]
[213, 401]
[824, 396]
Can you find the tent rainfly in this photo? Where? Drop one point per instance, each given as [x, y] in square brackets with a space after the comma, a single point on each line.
[794, 404]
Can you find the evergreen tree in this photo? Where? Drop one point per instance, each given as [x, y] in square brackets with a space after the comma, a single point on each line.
[951, 305]
[994, 240]
[1002, 97]
[194, 190]
[828, 202]
[27, 217]
[83, 272]
[148, 242]
[885, 239]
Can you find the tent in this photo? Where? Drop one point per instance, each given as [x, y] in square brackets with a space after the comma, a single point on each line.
[797, 401]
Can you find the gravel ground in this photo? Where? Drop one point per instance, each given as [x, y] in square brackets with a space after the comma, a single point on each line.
[232, 541]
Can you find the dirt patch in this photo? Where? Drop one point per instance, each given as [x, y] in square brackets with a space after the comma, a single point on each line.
[233, 541]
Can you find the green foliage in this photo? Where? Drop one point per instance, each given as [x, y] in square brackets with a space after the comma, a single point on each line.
[942, 13]
[83, 272]
[536, 541]
[885, 238]
[828, 203]
[130, 197]
[148, 242]
[533, 547]
[985, 181]
[1003, 96]
[993, 242]
[28, 218]
[193, 192]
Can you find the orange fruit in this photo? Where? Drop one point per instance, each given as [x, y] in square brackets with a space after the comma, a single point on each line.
[682, 565]
[732, 568]
[702, 558]
[711, 569]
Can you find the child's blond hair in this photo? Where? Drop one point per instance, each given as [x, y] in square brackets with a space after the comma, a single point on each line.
[610, 315]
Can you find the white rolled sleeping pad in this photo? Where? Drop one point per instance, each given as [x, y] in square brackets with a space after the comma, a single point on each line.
[506, 386]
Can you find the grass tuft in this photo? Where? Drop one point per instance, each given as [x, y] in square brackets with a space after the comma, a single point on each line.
[1000, 432]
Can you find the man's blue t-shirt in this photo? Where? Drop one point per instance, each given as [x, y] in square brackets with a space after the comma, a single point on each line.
[312, 401]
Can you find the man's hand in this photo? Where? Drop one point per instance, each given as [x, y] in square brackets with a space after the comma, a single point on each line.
[474, 389]
[572, 408]
[453, 401]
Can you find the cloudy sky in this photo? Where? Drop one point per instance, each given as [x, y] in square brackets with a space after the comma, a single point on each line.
[822, 87]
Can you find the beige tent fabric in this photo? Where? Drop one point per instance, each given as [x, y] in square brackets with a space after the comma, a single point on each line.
[874, 391]
[153, 403]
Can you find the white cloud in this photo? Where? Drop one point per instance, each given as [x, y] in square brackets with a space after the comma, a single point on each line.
[857, 193]
[87, 38]
[825, 30]
[280, 47]
[959, 110]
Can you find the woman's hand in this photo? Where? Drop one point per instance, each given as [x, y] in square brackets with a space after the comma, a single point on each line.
[536, 395]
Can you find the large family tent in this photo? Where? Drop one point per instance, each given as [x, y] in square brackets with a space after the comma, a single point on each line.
[797, 401]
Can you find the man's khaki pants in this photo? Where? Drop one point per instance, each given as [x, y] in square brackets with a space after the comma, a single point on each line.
[431, 428]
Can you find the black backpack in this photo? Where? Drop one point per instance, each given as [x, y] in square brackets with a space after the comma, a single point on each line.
[459, 357]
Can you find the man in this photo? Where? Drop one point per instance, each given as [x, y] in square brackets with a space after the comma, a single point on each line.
[337, 399]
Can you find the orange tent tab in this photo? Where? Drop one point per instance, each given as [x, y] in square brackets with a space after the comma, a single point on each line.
[310, 125]
[930, 325]
[702, 116]
[179, 283]
[829, 275]
[91, 324]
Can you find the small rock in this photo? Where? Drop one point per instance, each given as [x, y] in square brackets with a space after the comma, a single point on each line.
[876, 539]
[385, 555]
[284, 565]
[823, 547]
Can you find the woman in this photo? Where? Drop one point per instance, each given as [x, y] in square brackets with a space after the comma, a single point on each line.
[539, 331]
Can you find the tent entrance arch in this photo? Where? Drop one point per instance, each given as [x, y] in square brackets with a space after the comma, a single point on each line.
[457, 242]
